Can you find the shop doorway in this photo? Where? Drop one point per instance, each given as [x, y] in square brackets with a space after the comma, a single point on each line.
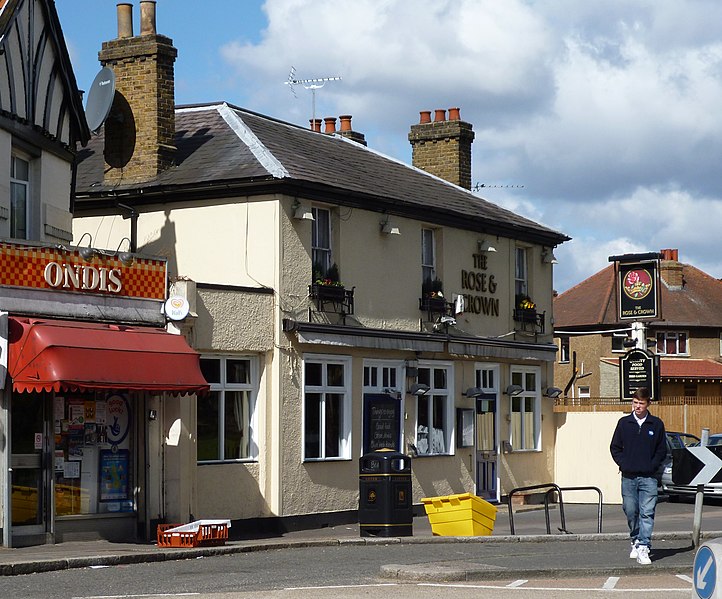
[30, 469]
[487, 438]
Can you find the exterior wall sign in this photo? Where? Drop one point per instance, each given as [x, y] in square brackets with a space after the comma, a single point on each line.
[177, 307]
[479, 287]
[56, 269]
[382, 422]
[638, 368]
[638, 290]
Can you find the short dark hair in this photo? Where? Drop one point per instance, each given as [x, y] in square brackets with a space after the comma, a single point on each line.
[642, 393]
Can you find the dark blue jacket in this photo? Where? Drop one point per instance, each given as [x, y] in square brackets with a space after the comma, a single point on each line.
[639, 451]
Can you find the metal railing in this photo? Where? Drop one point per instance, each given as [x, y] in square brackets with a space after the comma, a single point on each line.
[551, 488]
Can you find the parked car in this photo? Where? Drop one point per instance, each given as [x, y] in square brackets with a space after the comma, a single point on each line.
[678, 441]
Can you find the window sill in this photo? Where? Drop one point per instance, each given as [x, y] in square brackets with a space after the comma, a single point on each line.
[525, 451]
[432, 455]
[322, 460]
[222, 462]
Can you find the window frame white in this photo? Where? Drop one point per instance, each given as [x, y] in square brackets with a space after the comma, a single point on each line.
[521, 271]
[24, 184]
[668, 336]
[222, 387]
[564, 349]
[527, 395]
[321, 250]
[345, 439]
[433, 393]
[428, 254]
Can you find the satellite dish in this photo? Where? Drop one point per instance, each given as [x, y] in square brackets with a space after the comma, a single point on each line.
[100, 98]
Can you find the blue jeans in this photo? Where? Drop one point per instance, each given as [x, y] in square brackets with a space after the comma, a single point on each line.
[639, 500]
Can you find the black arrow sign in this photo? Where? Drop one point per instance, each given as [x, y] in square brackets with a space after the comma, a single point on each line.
[697, 465]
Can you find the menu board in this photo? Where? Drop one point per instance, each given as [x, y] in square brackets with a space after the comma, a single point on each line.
[382, 422]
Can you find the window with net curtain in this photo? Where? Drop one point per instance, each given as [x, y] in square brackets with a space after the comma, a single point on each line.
[433, 410]
[225, 419]
[525, 409]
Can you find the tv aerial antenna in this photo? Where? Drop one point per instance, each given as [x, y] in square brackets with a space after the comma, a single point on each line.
[312, 84]
[480, 186]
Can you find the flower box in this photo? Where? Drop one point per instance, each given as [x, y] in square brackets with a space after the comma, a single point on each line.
[436, 305]
[328, 293]
[525, 315]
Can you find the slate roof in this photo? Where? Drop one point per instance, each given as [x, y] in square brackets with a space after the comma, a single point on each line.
[592, 302]
[222, 147]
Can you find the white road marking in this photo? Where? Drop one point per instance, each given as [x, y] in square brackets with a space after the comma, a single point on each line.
[517, 583]
[685, 578]
[130, 596]
[573, 590]
[343, 586]
[610, 583]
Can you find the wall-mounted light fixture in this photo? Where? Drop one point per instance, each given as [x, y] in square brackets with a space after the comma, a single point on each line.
[301, 212]
[86, 253]
[127, 258]
[388, 228]
[552, 392]
[484, 246]
[548, 257]
[513, 390]
[419, 389]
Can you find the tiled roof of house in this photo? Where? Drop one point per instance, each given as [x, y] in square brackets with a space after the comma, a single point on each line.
[698, 302]
[221, 145]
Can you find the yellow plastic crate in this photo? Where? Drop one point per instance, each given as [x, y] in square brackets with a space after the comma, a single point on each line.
[463, 515]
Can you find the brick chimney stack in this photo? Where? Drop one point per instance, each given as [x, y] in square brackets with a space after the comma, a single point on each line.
[442, 147]
[671, 270]
[140, 130]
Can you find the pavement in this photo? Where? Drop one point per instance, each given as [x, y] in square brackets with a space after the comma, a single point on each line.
[531, 552]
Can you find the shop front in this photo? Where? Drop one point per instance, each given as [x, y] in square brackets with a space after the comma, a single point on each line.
[82, 402]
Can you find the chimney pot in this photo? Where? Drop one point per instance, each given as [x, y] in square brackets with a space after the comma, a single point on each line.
[147, 17]
[454, 114]
[330, 122]
[345, 122]
[315, 125]
[439, 115]
[125, 19]
[425, 116]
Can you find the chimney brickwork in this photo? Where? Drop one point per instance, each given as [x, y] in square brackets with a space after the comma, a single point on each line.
[140, 131]
[442, 147]
[671, 270]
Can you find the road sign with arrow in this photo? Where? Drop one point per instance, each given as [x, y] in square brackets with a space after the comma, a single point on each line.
[705, 572]
[697, 465]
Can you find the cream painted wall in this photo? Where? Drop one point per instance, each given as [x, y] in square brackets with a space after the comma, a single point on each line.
[583, 458]
[206, 243]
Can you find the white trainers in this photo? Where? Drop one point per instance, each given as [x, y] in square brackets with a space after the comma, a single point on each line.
[634, 551]
[643, 555]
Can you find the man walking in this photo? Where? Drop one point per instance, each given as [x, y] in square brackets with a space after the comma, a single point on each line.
[639, 447]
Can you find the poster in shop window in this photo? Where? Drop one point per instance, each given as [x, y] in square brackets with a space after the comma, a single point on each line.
[114, 475]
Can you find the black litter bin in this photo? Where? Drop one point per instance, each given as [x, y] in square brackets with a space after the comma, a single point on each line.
[385, 508]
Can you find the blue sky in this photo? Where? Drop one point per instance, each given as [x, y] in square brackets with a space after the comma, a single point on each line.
[600, 119]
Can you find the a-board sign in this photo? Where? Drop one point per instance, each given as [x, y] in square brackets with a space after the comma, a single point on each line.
[382, 422]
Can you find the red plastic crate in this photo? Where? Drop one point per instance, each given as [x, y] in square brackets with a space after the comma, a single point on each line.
[200, 534]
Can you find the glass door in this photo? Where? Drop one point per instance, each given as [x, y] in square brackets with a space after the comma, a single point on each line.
[487, 443]
[28, 463]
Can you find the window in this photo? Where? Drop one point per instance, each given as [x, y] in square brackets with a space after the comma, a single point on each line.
[486, 378]
[381, 376]
[428, 255]
[19, 195]
[521, 285]
[326, 408]
[671, 343]
[563, 350]
[321, 242]
[434, 410]
[583, 392]
[525, 409]
[227, 415]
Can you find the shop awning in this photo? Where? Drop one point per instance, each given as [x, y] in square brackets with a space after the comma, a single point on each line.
[63, 355]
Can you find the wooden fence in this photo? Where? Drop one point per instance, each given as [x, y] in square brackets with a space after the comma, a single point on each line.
[682, 414]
